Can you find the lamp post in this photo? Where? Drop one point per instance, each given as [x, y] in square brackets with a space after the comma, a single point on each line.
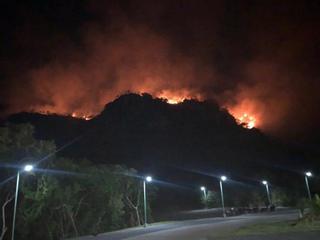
[264, 182]
[145, 180]
[306, 176]
[203, 189]
[27, 168]
[222, 179]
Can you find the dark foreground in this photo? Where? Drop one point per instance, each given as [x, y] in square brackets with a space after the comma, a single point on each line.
[282, 236]
[207, 229]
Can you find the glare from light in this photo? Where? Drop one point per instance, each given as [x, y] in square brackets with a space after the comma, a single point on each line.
[203, 188]
[223, 178]
[149, 179]
[264, 182]
[28, 168]
[308, 174]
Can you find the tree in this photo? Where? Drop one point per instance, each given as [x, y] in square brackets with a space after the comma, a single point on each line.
[67, 197]
[4, 225]
[17, 146]
[132, 189]
[211, 200]
[86, 199]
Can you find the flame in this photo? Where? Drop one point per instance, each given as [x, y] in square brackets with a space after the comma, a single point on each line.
[175, 100]
[82, 116]
[247, 121]
[176, 97]
[247, 113]
[86, 117]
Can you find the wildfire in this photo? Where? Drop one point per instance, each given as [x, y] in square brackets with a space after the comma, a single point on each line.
[85, 117]
[247, 113]
[247, 121]
[74, 114]
[175, 97]
[174, 100]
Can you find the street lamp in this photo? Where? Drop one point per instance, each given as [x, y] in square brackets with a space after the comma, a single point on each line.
[145, 180]
[203, 189]
[222, 179]
[26, 168]
[264, 182]
[307, 175]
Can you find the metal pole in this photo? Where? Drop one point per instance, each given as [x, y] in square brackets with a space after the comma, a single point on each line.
[222, 199]
[308, 188]
[15, 206]
[145, 203]
[268, 193]
[205, 195]
[205, 198]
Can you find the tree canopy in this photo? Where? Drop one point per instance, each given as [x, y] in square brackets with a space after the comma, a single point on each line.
[66, 197]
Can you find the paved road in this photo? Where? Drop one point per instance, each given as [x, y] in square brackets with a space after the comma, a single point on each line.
[280, 236]
[199, 229]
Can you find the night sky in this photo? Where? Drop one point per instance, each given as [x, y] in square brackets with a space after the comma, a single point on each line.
[256, 57]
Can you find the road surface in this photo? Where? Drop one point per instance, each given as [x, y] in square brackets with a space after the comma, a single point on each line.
[201, 229]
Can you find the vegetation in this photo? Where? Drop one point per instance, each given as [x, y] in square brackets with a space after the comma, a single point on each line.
[313, 215]
[79, 192]
[275, 228]
[66, 197]
[211, 200]
[251, 198]
[185, 144]
[309, 222]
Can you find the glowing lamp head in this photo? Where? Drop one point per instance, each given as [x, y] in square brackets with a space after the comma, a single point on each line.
[223, 178]
[264, 182]
[309, 174]
[203, 188]
[28, 168]
[148, 178]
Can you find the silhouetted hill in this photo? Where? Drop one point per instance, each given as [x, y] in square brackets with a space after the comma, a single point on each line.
[185, 144]
[152, 135]
[141, 130]
[51, 127]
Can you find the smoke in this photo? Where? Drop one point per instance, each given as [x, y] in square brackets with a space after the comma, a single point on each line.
[132, 58]
[281, 100]
[175, 50]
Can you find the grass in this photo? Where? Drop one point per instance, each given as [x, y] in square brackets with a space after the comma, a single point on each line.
[278, 227]
[273, 228]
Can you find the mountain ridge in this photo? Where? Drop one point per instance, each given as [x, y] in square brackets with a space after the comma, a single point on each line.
[134, 127]
[187, 143]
